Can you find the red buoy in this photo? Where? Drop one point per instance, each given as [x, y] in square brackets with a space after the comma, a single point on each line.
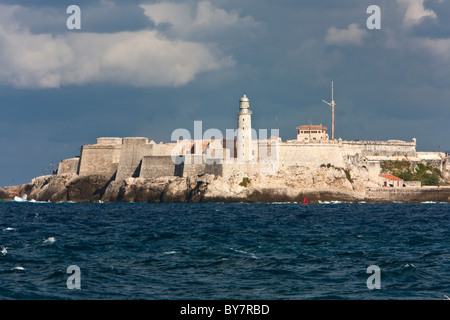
[305, 201]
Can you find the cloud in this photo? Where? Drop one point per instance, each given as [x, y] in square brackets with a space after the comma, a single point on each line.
[138, 58]
[438, 48]
[201, 21]
[415, 12]
[353, 35]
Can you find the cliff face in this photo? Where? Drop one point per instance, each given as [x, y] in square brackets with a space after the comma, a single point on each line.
[3, 194]
[291, 184]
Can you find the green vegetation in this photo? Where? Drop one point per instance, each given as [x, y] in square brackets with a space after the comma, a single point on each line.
[428, 175]
[347, 174]
[245, 182]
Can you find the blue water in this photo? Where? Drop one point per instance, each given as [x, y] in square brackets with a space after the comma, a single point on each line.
[224, 251]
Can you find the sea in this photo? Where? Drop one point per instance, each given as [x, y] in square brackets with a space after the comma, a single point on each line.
[209, 251]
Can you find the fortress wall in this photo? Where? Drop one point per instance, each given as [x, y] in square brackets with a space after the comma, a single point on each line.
[446, 169]
[434, 159]
[162, 149]
[214, 168]
[198, 164]
[379, 148]
[109, 141]
[157, 166]
[374, 170]
[132, 152]
[68, 166]
[310, 154]
[190, 165]
[193, 169]
[99, 159]
[415, 194]
[249, 170]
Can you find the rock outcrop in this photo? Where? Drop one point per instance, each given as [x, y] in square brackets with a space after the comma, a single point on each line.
[4, 195]
[291, 184]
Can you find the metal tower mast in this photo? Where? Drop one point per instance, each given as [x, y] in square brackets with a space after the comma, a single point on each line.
[332, 104]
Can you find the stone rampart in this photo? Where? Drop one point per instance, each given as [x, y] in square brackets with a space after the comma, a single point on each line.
[132, 153]
[157, 166]
[109, 141]
[99, 159]
[379, 148]
[68, 166]
[410, 194]
[310, 154]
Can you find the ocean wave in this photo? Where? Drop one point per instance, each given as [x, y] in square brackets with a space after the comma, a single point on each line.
[49, 240]
[20, 268]
[25, 199]
[245, 252]
[20, 199]
[330, 202]
[170, 252]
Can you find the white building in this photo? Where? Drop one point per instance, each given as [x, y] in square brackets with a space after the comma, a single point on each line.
[310, 133]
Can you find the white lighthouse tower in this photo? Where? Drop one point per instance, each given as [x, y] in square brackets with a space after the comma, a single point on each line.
[244, 136]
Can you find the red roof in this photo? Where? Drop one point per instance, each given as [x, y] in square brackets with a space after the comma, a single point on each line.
[390, 177]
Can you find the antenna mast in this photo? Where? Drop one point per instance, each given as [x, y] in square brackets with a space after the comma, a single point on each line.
[332, 104]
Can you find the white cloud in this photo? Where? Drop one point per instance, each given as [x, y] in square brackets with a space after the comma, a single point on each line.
[415, 12]
[140, 58]
[353, 35]
[187, 20]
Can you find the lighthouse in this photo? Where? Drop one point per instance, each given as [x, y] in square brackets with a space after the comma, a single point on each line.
[244, 136]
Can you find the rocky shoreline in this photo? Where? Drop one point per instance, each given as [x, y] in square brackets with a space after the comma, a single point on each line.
[323, 184]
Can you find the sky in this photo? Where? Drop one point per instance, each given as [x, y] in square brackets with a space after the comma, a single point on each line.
[145, 68]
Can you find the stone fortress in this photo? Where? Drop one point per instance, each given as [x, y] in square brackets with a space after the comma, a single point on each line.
[136, 157]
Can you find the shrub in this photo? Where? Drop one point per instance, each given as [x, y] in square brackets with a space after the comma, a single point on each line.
[349, 177]
[245, 182]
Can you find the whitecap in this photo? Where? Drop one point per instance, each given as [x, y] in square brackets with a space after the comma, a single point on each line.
[4, 250]
[50, 240]
[245, 252]
[170, 252]
[9, 229]
[407, 265]
[18, 268]
[21, 199]
[329, 202]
